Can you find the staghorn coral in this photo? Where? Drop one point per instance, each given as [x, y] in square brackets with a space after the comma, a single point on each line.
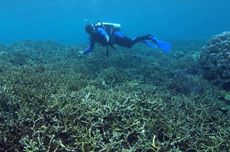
[92, 103]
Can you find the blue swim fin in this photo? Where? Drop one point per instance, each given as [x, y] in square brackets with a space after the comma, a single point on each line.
[165, 46]
[150, 44]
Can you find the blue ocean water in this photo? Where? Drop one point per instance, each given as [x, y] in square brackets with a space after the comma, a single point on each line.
[63, 20]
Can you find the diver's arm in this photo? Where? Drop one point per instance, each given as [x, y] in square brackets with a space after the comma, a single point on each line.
[90, 47]
[104, 33]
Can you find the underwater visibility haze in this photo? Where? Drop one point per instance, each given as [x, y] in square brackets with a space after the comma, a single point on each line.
[171, 95]
[63, 21]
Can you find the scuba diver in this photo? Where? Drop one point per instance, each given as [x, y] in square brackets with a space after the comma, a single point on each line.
[108, 34]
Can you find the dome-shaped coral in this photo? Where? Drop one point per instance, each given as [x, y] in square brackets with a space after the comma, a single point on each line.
[215, 59]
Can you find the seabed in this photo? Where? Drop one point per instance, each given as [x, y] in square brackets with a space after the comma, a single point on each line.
[54, 99]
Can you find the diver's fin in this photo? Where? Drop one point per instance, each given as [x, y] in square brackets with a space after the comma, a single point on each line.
[150, 44]
[165, 46]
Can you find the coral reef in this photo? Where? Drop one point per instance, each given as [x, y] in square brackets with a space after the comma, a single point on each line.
[215, 58]
[52, 99]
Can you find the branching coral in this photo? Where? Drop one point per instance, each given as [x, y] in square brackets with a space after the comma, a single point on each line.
[122, 102]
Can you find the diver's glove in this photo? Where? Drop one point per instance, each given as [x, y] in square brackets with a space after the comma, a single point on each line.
[107, 38]
[81, 52]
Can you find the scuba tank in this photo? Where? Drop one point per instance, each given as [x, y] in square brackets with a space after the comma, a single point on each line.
[114, 26]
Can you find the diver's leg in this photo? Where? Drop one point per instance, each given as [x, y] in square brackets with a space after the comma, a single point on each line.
[141, 38]
[122, 40]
